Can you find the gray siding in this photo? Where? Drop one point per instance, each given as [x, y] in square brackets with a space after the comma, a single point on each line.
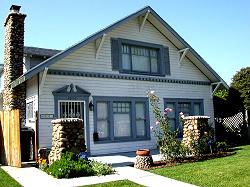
[109, 87]
[84, 60]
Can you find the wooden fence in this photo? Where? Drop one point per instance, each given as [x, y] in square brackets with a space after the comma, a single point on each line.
[10, 146]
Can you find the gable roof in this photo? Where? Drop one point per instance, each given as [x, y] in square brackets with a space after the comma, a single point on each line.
[157, 21]
[37, 51]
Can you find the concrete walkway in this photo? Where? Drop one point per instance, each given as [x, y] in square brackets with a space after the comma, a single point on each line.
[31, 176]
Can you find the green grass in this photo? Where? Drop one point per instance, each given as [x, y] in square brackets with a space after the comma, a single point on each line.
[6, 180]
[230, 171]
[117, 183]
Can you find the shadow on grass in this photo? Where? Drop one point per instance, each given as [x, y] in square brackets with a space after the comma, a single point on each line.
[233, 149]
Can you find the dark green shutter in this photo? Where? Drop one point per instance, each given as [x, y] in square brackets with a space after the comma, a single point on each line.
[115, 55]
[165, 61]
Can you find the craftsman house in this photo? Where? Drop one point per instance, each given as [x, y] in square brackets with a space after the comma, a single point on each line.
[104, 80]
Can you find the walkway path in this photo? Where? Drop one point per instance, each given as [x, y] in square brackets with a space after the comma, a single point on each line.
[30, 177]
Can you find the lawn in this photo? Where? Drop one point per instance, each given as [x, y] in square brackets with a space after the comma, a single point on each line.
[6, 180]
[230, 171]
[117, 183]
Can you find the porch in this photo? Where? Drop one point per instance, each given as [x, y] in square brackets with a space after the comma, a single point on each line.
[123, 159]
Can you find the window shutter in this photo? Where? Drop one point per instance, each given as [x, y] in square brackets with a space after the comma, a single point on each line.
[115, 56]
[165, 61]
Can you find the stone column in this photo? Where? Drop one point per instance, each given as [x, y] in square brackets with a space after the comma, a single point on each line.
[13, 61]
[68, 135]
[193, 128]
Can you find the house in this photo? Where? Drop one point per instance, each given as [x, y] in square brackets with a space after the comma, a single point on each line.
[104, 80]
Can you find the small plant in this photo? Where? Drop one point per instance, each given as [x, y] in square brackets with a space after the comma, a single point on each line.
[42, 163]
[222, 146]
[101, 168]
[71, 165]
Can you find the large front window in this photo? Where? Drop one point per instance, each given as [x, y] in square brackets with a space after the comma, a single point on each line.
[121, 119]
[186, 106]
[139, 59]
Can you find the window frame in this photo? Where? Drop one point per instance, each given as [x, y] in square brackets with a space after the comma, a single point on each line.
[176, 101]
[132, 100]
[133, 43]
[27, 108]
[71, 100]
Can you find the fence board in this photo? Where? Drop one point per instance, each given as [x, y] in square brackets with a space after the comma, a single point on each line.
[10, 137]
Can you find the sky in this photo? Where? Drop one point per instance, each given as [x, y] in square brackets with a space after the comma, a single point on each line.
[219, 30]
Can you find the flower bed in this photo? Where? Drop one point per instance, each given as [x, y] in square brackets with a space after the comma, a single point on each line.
[71, 165]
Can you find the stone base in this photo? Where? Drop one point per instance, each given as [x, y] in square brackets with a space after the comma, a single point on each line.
[143, 162]
[68, 135]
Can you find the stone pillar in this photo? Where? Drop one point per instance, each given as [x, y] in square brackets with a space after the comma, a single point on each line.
[193, 128]
[13, 61]
[68, 135]
[143, 159]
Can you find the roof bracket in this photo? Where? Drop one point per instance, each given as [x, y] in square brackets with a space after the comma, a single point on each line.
[143, 21]
[98, 44]
[43, 79]
[182, 53]
[216, 88]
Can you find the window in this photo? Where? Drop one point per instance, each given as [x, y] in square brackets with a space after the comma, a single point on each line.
[140, 119]
[186, 106]
[139, 57]
[102, 120]
[70, 109]
[121, 119]
[30, 111]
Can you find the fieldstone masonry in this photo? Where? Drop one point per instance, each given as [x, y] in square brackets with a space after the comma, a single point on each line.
[193, 128]
[68, 135]
[13, 61]
[143, 162]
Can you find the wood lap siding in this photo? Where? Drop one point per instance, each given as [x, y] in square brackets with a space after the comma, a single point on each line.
[84, 58]
[111, 87]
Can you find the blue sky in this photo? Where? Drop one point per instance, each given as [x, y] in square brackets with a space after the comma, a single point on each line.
[219, 30]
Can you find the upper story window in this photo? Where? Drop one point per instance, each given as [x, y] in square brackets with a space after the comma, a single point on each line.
[139, 57]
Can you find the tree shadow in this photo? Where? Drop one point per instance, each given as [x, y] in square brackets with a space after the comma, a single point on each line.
[230, 123]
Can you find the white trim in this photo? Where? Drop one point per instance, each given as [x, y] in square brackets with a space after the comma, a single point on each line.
[143, 21]
[181, 57]
[43, 79]
[216, 88]
[99, 46]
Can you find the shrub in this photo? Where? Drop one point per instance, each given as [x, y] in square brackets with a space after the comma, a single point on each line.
[170, 146]
[222, 146]
[100, 168]
[205, 143]
[70, 165]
